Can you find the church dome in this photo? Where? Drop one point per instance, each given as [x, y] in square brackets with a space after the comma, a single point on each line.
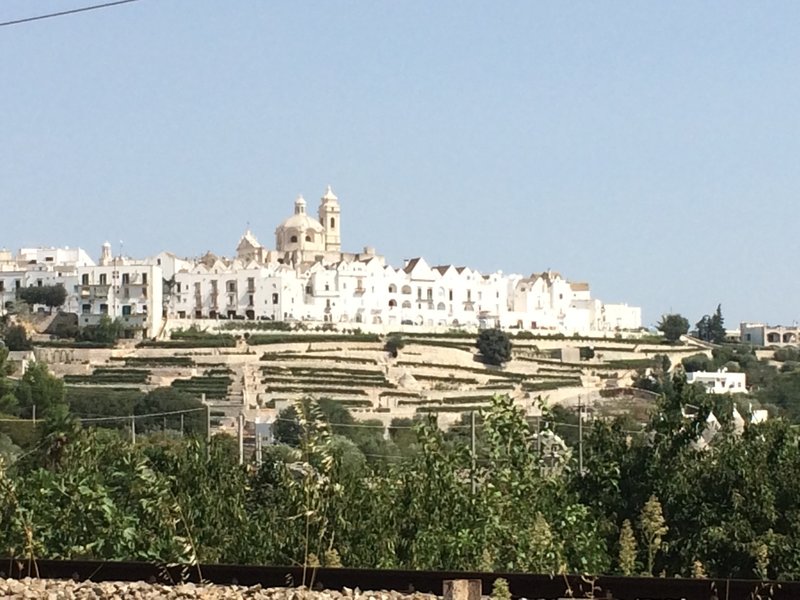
[300, 219]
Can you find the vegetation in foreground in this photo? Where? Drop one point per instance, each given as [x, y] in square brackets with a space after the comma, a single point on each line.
[339, 494]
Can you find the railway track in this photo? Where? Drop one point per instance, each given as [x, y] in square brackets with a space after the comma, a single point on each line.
[532, 587]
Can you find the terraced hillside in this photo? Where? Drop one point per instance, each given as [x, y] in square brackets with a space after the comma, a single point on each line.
[431, 373]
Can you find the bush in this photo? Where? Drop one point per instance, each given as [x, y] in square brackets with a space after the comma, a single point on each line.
[697, 362]
[16, 338]
[788, 353]
[495, 346]
[394, 344]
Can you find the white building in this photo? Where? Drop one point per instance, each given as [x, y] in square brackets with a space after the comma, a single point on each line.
[307, 277]
[759, 334]
[719, 382]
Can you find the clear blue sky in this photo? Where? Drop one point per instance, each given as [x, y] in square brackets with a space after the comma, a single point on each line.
[652, 149]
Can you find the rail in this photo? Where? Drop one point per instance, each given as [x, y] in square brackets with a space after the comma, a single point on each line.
[529, 586]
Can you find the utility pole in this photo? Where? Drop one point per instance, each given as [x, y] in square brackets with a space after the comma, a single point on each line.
[472, 449]
[539, 443]
[208, 429]
[133, 430]
[580, 435]
[181, 424]
[241, 438]
[33, 416]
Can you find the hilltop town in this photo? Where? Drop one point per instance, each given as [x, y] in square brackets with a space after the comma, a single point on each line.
[306, 277]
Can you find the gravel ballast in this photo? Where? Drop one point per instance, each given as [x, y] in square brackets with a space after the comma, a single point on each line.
[54, 589]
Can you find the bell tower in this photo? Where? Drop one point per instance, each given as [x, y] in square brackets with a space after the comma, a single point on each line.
[330, 218]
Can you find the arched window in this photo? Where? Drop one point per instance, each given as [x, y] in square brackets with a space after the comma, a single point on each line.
[406, 289]
[293, 239]
[333, 223]
[441, 306]
[392, 288]
[392, 303]
[308, 238]
[406, 304]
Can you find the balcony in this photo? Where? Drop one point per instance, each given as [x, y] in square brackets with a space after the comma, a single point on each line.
[87, 292]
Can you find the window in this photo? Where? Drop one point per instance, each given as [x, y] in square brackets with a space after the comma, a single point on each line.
[84, 279]
[2, 286]
[293, 239]
[308, 238]
[406, 304]
[104, 309]
[333, 223]
[103, 279]
[392, 289]
[392, 303]
[126, 279]
[451, 295]
[406, 289]
[274, 298]
[38, 283]
[126, 310]
[144, 278]
[86, 309]
[231, 286]
[440, 306]
[48, 259]
[251, 300]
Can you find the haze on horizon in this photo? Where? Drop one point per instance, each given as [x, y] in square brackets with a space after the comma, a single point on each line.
[649, 149]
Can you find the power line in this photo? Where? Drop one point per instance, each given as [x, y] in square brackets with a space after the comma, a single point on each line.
[66, 12]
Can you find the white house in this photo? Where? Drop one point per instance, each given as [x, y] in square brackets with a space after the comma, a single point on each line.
[719, 382]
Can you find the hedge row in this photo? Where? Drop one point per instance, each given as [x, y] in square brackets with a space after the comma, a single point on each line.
[317, 389]
[155, 361]
[310, 370]
[212, 386]
[291, 356]
[210, 342]
[540, 386]
[301, 338]
[71, 344]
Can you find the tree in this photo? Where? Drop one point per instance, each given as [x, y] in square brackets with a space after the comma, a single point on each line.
[697, 362]
[51, 296]
[495, 346]
[711, 328]
[394, 344]
[717, 326]
[170, 400]
[105, 332]
[40, 389]
[16, 338]
[673, 326]
[703, 327]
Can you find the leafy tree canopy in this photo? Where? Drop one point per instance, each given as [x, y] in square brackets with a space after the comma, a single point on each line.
[494, 346]
[673, 326]
[52, 296]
